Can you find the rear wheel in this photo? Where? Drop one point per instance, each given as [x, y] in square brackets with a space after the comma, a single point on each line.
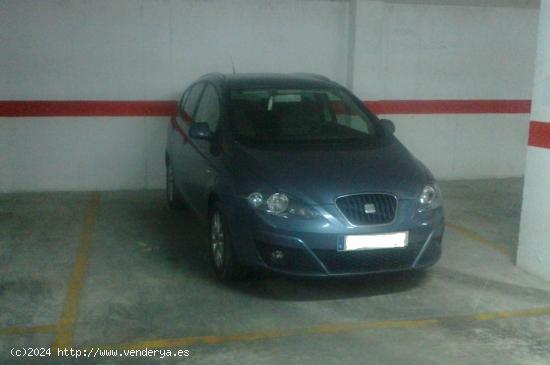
[222, 254]
[173, 197]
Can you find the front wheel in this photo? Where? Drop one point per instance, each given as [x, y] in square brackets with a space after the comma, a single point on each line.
[224, 261]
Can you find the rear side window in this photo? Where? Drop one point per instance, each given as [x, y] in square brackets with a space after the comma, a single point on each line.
[190, 103]
[209, 108]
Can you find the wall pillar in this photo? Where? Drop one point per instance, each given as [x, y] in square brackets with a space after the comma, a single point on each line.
[534, 237]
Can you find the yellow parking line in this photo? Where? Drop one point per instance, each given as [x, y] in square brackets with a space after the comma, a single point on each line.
[67, 322]
[22, 330]
[267, 335]
[327, 329]
[491, 316]
[476, 237]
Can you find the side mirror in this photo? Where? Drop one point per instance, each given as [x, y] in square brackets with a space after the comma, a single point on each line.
[200, 131]
[388, 126]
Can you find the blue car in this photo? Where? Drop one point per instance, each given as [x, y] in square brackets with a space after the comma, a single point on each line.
[295, 175]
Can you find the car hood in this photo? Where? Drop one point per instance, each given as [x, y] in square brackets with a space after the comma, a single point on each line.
[320, 175]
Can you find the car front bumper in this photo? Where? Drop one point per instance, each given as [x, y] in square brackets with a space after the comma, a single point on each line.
[309, 247]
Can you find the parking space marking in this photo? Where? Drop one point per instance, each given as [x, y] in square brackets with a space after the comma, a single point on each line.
[65, 329]
[329, 329]
[491, 316]
[67, 322]
[22, 330]
[476, 237]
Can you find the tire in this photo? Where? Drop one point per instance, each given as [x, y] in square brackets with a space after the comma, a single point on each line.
[173, 197]
[224, 261]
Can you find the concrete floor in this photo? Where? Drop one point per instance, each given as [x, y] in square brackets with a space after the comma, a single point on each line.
[118, 270]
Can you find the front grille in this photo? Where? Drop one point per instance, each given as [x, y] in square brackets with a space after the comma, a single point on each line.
[338, 262]
[353, 208]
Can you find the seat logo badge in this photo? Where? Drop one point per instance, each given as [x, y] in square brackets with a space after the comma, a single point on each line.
[369, 208]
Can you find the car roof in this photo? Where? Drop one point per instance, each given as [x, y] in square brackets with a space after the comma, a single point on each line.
[268, 80]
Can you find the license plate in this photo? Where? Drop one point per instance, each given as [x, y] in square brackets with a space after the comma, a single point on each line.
[376, 241]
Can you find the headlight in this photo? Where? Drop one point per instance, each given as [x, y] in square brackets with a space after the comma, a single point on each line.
[277, 203]
[280, 204]
[256, 199]
[430, 198]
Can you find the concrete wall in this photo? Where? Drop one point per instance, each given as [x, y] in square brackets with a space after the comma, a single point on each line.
[151, 49]
[138, 49]
[441, 49]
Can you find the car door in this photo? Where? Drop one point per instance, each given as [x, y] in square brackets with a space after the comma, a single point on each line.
[207, 152]
[182, 150]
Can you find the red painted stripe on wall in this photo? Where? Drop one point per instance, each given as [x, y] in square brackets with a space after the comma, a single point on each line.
[450, 106]
[79, 108]
[539, 134]
[87, 108]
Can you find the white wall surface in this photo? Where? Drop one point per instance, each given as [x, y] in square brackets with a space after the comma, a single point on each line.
[451, 49]
[466, 146]
[151, 49]
[88, 153]
[430, 50]
[135, 50]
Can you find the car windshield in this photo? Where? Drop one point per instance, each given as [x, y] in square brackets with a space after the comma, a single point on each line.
[298, 116]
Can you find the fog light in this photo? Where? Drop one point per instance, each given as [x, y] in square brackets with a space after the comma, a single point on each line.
[277, 255]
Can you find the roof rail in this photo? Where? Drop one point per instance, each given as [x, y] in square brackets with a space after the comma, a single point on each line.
[213, 74]
[313, 75]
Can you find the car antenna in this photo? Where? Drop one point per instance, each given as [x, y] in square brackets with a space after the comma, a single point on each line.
[232, 64]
